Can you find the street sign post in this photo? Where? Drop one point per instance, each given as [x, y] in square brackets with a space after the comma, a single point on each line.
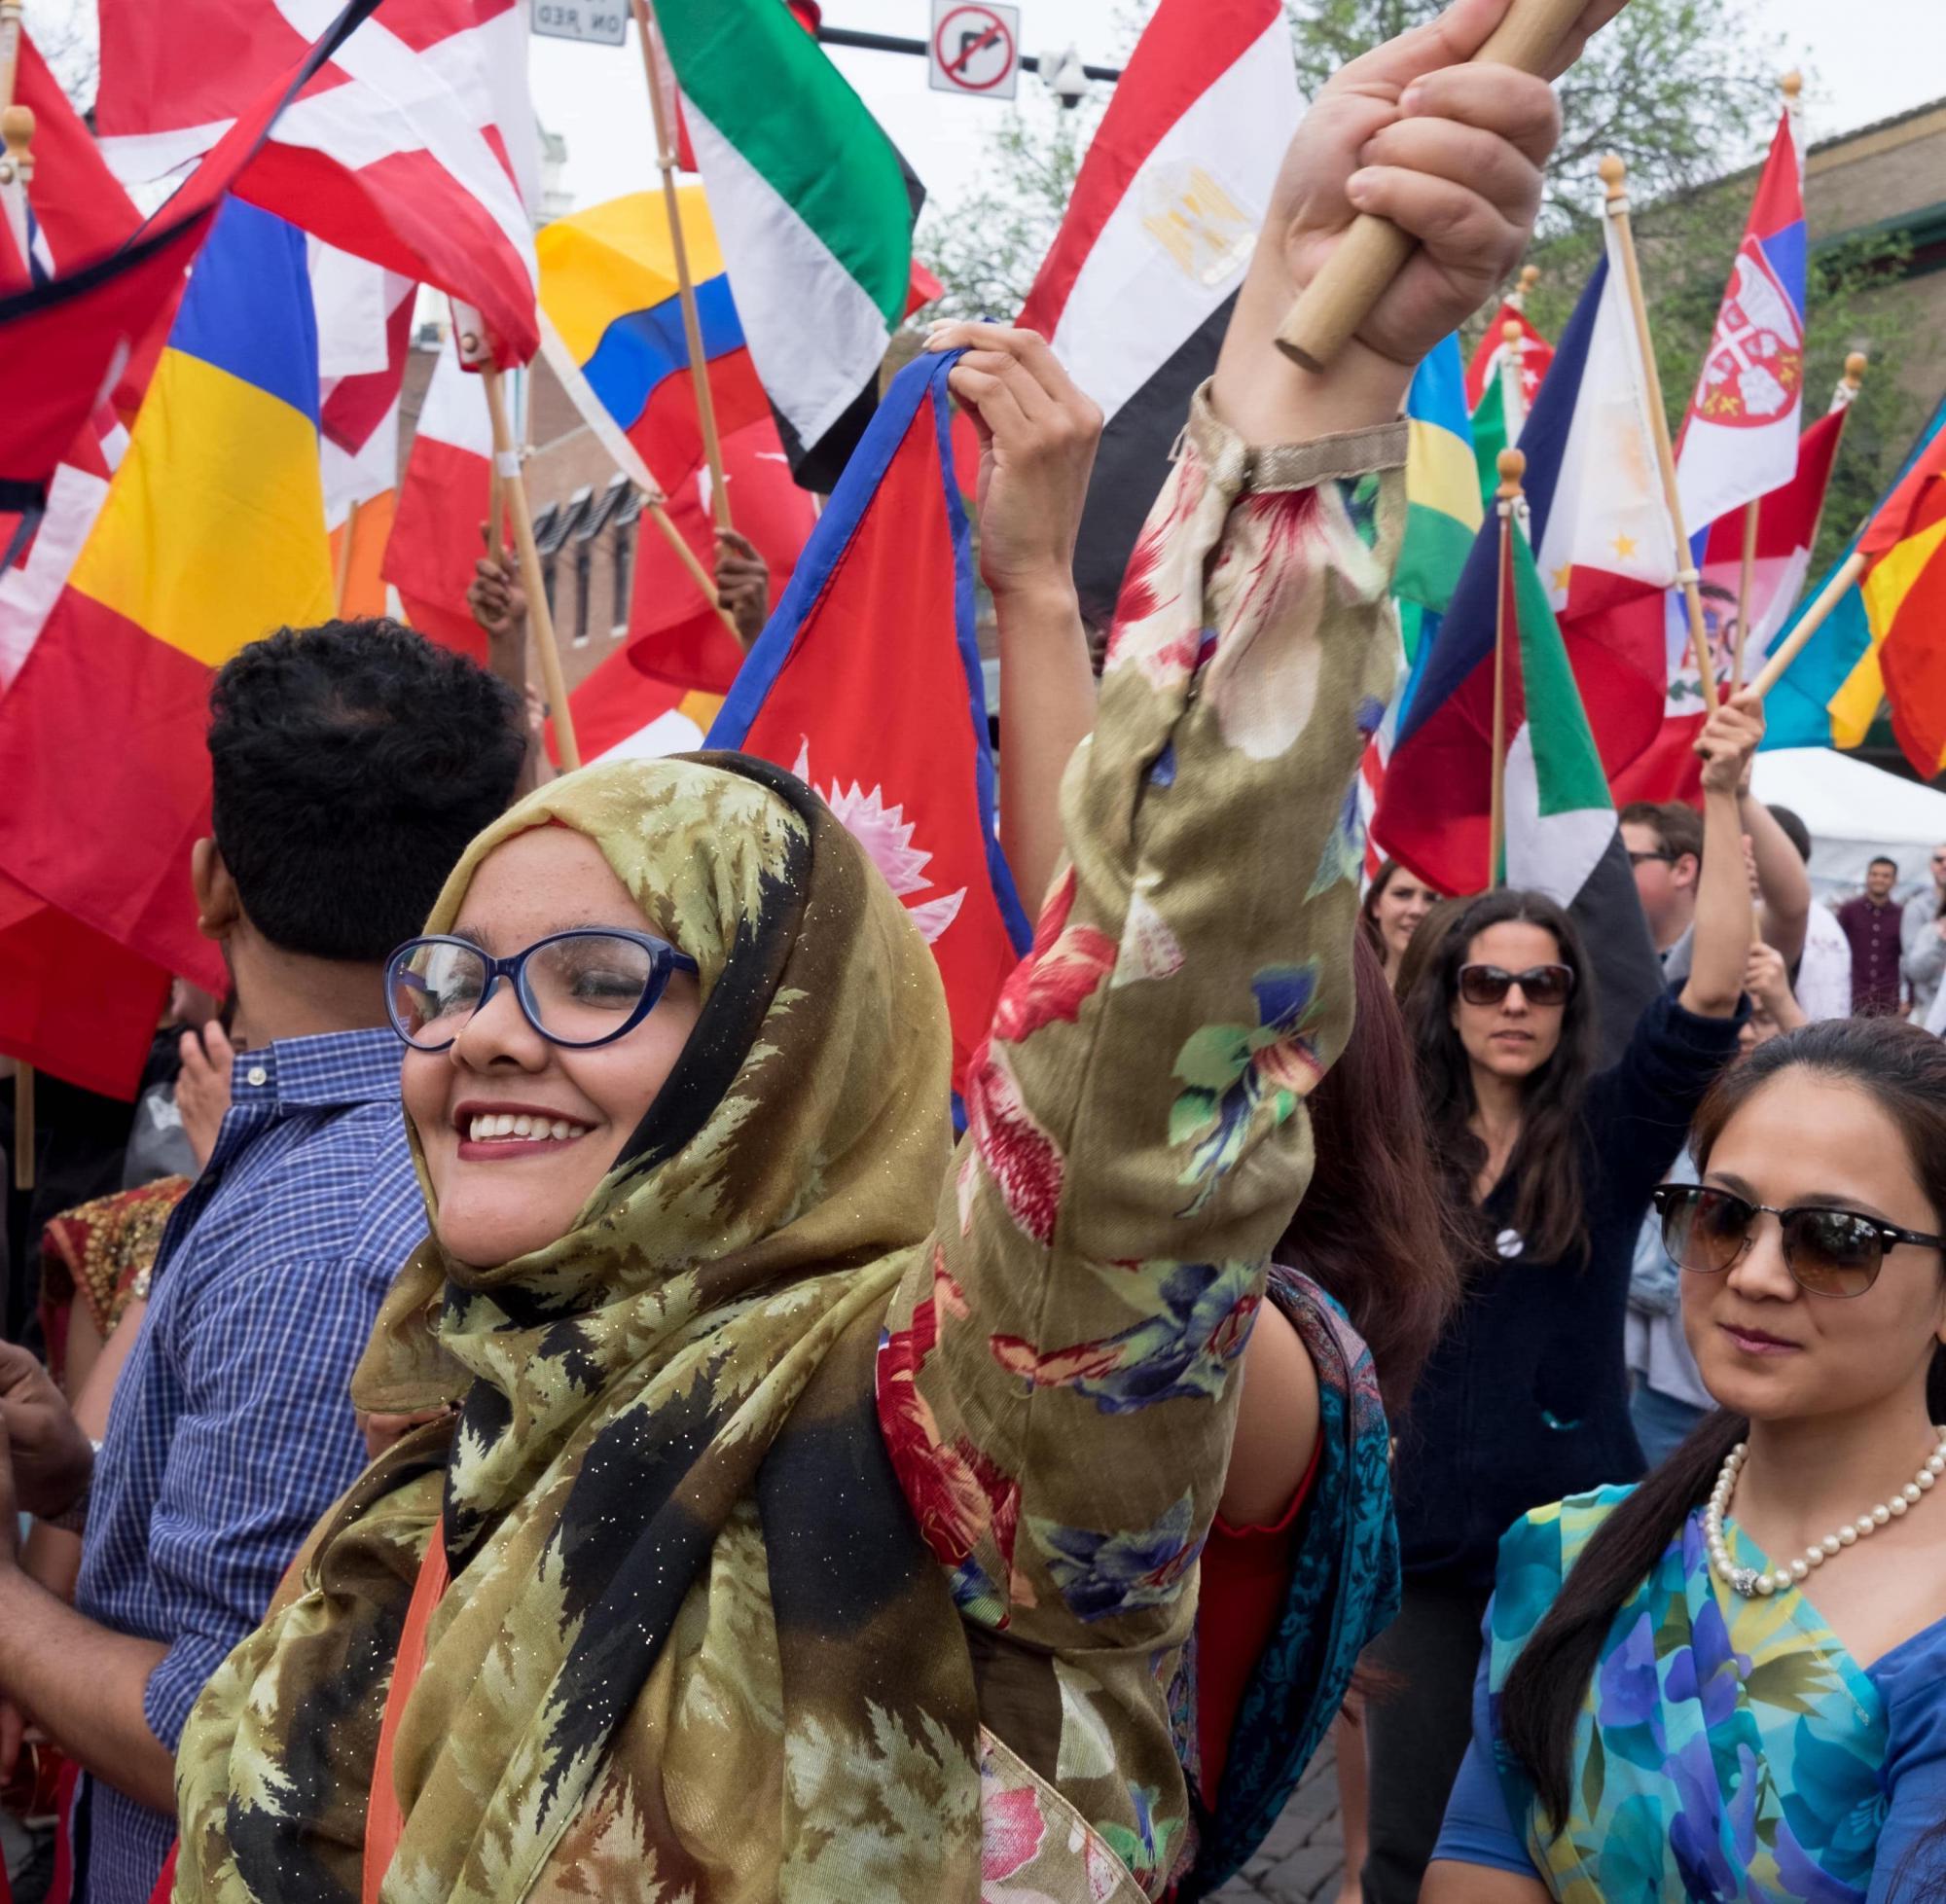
[975, 49]
[599, 22]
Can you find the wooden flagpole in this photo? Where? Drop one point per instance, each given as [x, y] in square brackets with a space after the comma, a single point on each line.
[23, 1125]
[1614, 176]
[10, 47]
[1513, 467]
[17, 130]
[341, 581]
[1530, 277]
[692, 324]
[1373, 251]
[1815, 617]
[1513, 347]
[540, 618]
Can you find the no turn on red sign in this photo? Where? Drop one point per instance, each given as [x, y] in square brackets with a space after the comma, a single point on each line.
[975, 49]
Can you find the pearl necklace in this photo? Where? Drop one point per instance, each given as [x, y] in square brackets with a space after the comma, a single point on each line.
[1750, 1583]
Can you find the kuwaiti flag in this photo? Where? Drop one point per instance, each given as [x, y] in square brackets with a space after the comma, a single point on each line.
[1602, 538]
[1787, 522]
[1434, 814]
[814, 209]
[1739, 441]
[416, 148]
[867, 685]
[1135, 292]
[444, 496]
[211, 536]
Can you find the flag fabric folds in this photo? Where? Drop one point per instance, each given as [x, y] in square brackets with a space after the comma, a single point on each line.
[416, 148]
[1135, 293]
[1508, 381]
[1536, 354]
[1787, 522]
[609, 287]
[812, 210]
[674, 635]
[1602, 538]
[212, 536]
[867, 684]
[1739, 439]
[444, 495]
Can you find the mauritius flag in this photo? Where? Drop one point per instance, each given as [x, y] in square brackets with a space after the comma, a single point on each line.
[609, 288]
[1435, 811]
[211, 536]
[867, 685]
[1739, 441]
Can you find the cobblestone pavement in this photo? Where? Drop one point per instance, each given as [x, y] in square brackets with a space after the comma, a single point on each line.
[1303, 1859]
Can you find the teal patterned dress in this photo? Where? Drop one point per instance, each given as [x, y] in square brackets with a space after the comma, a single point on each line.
[1726, 1748]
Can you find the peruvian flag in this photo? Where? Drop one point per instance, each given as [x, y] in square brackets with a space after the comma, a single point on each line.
[1134, 294]
[1787, 522]
[867, 685]
[1602, 538]
[1536, 355]
[444, 498]
[1740, 439]
[415, 147]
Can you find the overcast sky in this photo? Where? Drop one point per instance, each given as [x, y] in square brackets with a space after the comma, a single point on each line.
[1866, 62]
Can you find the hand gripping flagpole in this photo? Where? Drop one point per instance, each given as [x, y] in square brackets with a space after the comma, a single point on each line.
[1513, 467]
[692, 323]
[540, 618]
[1372, 253]
[1614, 176]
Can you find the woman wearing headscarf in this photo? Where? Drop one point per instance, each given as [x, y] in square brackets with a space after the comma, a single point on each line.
[820, 1514]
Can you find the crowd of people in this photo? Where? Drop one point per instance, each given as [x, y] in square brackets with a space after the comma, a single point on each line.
[534, 1403]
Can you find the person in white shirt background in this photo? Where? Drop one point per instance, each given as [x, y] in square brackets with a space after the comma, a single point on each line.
[1922, 938]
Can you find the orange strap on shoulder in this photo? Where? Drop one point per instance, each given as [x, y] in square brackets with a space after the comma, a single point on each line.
[384, 1822]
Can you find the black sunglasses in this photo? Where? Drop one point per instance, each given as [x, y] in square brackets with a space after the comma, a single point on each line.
[1546, 988]
[579, 988]
[1828, 1252]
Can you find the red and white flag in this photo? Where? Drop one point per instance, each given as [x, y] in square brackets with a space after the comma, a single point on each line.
[1135, 292]
[1536, 354]
[443, 499]
[415, 147]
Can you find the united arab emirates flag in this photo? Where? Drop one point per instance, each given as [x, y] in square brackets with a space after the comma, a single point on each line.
[814, 209]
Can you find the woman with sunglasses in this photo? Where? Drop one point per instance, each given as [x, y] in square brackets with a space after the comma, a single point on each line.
[1730, 1681]
[820, 1514]
[1525, 1398]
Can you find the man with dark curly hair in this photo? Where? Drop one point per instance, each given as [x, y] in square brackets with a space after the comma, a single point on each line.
[351, 763]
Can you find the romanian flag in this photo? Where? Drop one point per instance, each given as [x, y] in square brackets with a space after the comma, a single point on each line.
[609, 288]
[212, 536]
[1904, 592]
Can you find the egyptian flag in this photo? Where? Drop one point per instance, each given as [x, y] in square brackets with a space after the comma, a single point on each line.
[867, 685]
[1136, 292]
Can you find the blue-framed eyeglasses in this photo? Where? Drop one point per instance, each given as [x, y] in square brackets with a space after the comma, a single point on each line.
[580, 988]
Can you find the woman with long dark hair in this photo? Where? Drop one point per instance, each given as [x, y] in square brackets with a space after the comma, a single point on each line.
[1526, 1397]
[1397, 904]
[1730, 1681]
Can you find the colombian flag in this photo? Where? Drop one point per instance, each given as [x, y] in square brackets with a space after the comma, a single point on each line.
[609, 287]
[212, 536]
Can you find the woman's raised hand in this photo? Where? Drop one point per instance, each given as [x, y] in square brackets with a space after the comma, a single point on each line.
[1038, 431]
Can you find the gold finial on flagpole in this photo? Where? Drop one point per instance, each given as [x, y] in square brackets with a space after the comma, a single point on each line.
[1530, 275]
[17, 130]
[1855, 370]
[1792, 88]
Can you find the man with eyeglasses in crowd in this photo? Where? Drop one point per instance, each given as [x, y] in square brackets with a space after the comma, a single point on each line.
[1922, 938]
[351, 764]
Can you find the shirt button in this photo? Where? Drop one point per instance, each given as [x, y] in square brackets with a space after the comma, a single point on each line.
[256, 1074]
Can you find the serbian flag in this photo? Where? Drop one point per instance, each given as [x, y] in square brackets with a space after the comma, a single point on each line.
[1134, 294]
[211, 536]
[1489, 353]
[609, 288]
[1602, 538]
[444, 498]
[415, 147]
[1787, 522]
[867, 685]
[674, 635]
[1740, 439]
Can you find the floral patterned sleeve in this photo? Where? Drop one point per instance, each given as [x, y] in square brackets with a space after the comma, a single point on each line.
[1056, 1382]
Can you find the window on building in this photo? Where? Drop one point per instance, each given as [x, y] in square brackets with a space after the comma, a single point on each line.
[628, 533]
[584, 574]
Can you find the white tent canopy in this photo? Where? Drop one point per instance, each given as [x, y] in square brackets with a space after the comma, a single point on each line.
[1856, 812]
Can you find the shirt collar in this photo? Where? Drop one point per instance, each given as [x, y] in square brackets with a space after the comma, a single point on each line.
[327, 1072]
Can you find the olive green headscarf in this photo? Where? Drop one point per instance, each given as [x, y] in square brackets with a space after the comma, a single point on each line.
[693, 1644]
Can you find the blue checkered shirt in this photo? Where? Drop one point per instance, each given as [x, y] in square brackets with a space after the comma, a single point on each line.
[231, 1428]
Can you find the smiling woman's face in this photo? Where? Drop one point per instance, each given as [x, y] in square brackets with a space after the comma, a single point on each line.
[1766, 1349]
[1514, 1038]
[518, 1131]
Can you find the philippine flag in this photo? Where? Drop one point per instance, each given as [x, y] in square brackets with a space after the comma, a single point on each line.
[1739, 441]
